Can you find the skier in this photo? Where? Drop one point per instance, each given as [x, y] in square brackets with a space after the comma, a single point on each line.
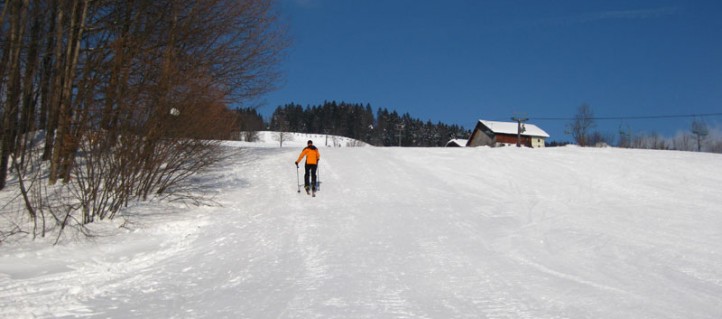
[312, 157]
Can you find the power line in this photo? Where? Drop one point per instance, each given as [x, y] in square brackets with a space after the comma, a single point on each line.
[648, 117]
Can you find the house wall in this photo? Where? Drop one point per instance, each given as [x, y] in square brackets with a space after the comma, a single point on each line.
[511, 139]
[528, 141]
[537, 142]
[480, 139]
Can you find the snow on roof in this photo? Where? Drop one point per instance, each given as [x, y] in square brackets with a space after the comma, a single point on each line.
[458, 141]
[511, 128]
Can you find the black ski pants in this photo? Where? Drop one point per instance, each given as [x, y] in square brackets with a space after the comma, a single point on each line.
[310, 169]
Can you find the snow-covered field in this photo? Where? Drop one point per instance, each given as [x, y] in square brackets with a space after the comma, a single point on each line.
[401, 233]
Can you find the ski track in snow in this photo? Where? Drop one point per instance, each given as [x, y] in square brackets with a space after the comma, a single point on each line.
[405, 233]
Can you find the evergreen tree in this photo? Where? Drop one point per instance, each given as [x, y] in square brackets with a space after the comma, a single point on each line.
[357, 121]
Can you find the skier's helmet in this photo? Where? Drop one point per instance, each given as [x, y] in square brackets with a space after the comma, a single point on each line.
[310, 142]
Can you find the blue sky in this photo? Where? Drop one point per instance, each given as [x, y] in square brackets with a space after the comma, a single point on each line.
[457, 61]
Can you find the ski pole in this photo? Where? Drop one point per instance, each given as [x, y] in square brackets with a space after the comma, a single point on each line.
[298, 180]
[318, 178]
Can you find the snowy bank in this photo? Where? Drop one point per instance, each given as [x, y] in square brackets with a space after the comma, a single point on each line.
[402, 233]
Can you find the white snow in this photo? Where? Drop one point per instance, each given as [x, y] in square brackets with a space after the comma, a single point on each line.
[272, 139]
[401, 233]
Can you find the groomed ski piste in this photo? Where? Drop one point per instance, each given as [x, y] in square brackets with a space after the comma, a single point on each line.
[399, 233]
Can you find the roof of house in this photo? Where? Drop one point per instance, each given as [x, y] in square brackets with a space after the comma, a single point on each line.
[511, 128]
[457, 141]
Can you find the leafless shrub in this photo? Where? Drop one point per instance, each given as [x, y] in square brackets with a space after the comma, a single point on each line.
[683, 142]
[650, 141]
[580, 127]
[715, 146]
[130, 94]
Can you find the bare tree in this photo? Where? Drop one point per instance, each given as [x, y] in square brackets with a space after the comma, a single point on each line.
[63, 152]
[715, 147]
[282, 135]
[131, 95]
[650, 141]
[683, 142]
[581, 125]
[625, 136]
[10, 66]
[600, 139]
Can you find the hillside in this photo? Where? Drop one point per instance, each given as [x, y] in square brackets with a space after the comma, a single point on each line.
[402, 233]
[273, 139]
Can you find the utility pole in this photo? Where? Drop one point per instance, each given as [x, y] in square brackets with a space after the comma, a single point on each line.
[400, 128]
[519, 128]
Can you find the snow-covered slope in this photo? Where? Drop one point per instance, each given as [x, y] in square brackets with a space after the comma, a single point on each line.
[290, 139]
[403, 233]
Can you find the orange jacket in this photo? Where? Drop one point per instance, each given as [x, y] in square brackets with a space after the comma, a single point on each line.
[312, 155]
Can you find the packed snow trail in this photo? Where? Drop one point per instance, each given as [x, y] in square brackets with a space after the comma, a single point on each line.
[407, 233]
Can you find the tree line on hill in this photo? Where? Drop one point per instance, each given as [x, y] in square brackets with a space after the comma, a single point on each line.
[389, 128]
[358, 121]
[699, 138]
